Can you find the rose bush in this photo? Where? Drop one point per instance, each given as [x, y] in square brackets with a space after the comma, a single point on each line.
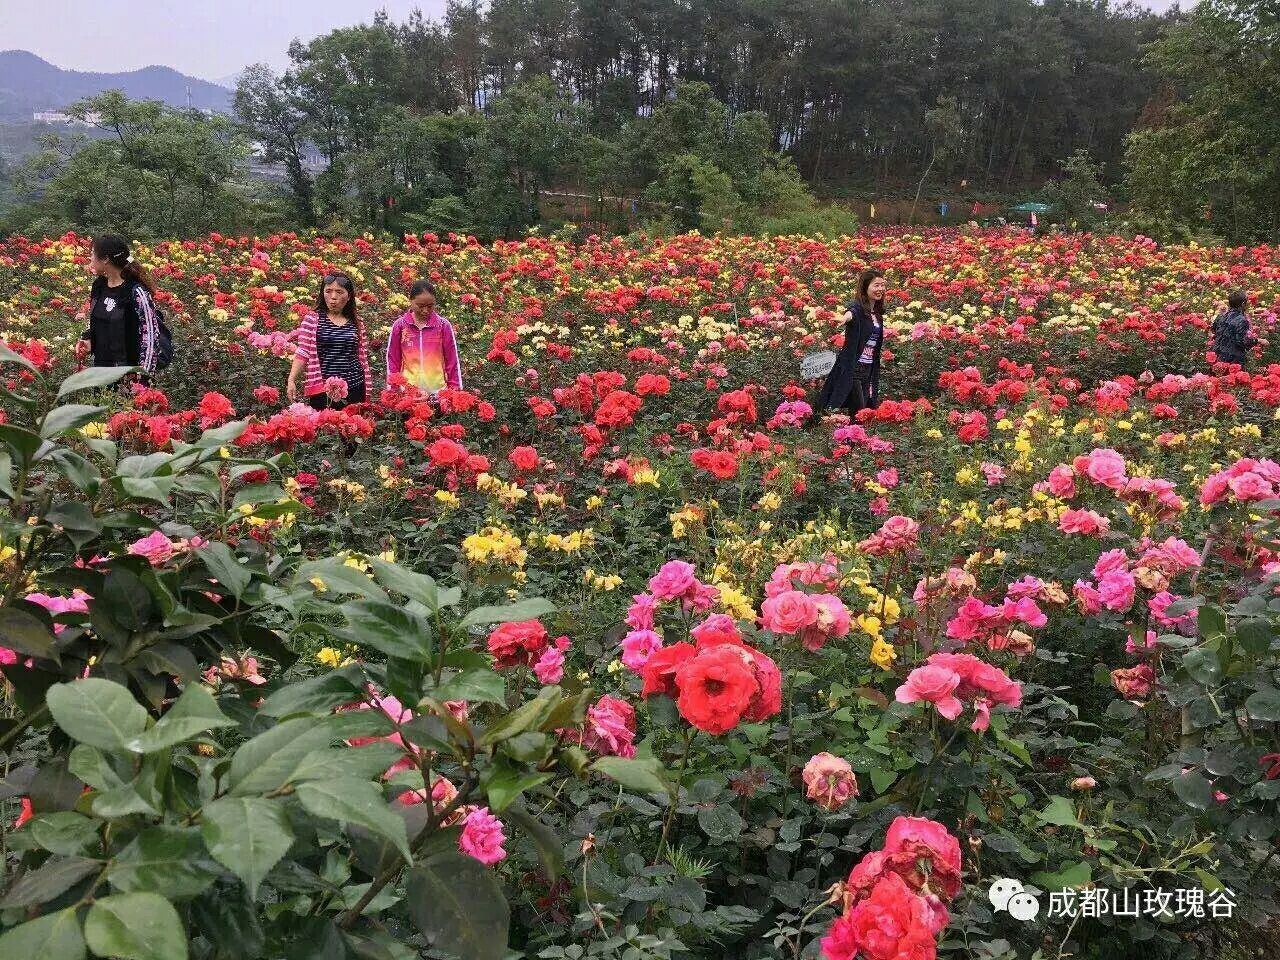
[791, 684]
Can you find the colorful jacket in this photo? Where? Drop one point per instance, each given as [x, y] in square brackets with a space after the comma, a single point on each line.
[426, 356]
[306, 349]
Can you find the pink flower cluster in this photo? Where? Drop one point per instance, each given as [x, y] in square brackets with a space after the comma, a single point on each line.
[78, 602]
[1118, 577]
[482, 833]
[814, 618]
[1106, 468]
[609, 730]
[1245, 481]
[976, 621]
[159, 549]
[948, 679]
[675, 582]
[896, 535]
[896, 898]
[790, 413]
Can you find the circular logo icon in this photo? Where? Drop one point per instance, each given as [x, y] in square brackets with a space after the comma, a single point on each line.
[1023, 906]
[1001, 891]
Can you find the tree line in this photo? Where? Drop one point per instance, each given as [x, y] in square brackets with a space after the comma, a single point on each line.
[716, 114]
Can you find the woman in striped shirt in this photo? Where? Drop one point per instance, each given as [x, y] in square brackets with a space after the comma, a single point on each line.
[333, 350]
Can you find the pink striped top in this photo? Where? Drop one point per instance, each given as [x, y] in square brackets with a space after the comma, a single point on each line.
[314, 383]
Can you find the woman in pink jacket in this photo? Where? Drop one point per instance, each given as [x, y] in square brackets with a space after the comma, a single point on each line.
[421, 348]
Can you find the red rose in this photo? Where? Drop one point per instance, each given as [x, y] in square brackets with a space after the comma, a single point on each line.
[716, 688]
[659, 671]
[517, 644]
[523, 458]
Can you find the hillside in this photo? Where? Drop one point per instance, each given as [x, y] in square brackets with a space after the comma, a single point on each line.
[29, 84]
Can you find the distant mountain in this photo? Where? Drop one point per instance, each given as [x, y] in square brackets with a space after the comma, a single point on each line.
[229, 81]
[29, 84]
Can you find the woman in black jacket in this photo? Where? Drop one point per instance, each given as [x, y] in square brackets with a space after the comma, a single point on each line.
[124, 327]
[854, 382]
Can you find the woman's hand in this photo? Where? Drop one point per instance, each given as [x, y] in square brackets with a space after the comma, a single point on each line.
[291, 391]
[82, 349]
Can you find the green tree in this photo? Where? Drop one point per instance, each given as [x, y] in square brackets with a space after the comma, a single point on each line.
[275, 117]
[531, 136]
[1078, 191]
[157, 172]
[1209, 158]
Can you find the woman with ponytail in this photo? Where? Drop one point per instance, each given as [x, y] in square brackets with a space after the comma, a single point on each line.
[124, 325]
[333, 350]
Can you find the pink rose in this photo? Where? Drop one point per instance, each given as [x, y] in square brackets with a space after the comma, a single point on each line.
[1062, 482]
[789, 612]
[673, 581]
[1083, 521]
[640, 613]
[482, 837]
[829, 781]
[935, 685]
[638, 646]
[156, 547]
[1117, 590]
[550, 666]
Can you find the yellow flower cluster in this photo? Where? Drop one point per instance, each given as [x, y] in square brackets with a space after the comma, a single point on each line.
[604, 584]
[349, 488]
[571, 543]
[495, 545]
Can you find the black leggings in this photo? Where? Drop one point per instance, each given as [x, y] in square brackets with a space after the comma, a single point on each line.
[355, 394]
[863, 395]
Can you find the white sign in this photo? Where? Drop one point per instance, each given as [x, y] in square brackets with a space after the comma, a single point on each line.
[817, 365]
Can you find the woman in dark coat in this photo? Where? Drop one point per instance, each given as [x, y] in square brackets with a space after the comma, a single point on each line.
[854, 382]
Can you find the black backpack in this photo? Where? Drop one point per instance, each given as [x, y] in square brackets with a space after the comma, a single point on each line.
[164, 342]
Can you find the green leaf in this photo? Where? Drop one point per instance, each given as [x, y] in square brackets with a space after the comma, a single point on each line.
[504, 784]
[522, 718]
[1255, 636]
[221, 436]
[721, 823]
[126, 599]
[1071, 875]
[1194, 790]
[64, 832]
[97, 712]
[53, 878]
[170, 861]
[544, 841]
[226, 569]
[6, 474]
[1203, 666]
[135, 926]
[22, 441]
[1060, 812]
[459, 906]
[266, 762]
[23, 632]
[75, 468]
[348, 800]
[1264, 704]
[522, 610]
[1212, 621]
[366, 762]
[228, 920]
[338, 579]
[194, 712]
[61, 419]
[54, 937]
[247, 835]
[473, 686]
[882, 779]
[77, 522]
[645, 776]
[392, 630]
[415, 586]
[92, 378]
[318, 694]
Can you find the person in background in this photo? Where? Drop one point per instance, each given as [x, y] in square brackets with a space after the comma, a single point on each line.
[1232, 339]
[124, 327]
[421, 347]
[333, 350]
[854, 381]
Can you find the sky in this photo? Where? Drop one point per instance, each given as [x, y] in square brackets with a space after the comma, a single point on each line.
[213, 39]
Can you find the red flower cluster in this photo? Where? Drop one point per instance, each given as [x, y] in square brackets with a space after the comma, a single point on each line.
[716, 684]
[896, 897]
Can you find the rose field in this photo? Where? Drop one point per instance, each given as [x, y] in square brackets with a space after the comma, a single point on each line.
[621, 651]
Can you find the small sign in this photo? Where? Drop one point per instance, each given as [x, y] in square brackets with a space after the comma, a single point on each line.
[817, 365]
